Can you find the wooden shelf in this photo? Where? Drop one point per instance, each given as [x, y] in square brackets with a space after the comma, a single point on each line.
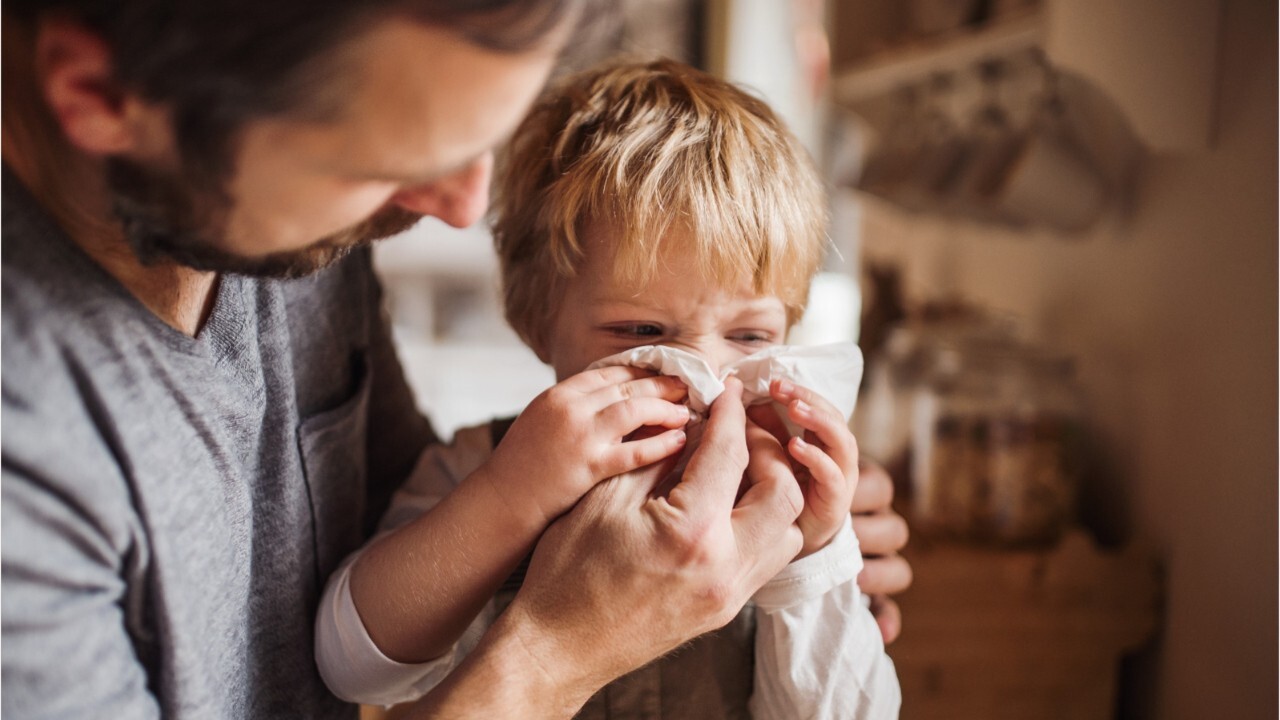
[891, 69]
[1152, 63]
[996, 634]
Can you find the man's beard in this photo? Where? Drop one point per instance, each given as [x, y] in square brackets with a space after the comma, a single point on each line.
[166, 219]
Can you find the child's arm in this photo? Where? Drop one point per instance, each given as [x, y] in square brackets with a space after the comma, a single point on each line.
[818, 650]
[352, 665]
[418, 588]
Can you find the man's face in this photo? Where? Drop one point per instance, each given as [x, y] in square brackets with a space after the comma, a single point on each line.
[414, 138]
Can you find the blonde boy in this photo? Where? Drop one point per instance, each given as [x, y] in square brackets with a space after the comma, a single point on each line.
[641, 204]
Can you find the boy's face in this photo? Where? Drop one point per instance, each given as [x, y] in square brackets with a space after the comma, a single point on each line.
[599, 316]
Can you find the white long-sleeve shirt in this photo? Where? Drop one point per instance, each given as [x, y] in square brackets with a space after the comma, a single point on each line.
[818, 651]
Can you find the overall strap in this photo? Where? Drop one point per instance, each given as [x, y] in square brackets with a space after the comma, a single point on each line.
[498, 430]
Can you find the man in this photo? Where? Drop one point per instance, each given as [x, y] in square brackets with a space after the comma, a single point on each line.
[192, 441]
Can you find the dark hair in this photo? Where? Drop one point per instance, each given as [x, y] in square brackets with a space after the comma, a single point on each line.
[221, 63]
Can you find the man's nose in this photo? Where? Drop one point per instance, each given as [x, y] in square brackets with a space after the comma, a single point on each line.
[458, 199]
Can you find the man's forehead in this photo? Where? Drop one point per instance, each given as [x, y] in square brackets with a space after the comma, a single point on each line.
[425, 100]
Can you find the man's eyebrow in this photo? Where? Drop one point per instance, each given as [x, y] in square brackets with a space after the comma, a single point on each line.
[412, 178]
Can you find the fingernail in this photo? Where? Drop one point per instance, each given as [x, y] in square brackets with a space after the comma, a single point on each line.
[785, 387]
[802, 407]
[681, 438]
[801, 443]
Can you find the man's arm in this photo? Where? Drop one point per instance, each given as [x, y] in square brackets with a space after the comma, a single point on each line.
[67, 653]
[630, 574]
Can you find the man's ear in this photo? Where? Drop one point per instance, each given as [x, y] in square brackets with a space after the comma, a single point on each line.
[75, 72]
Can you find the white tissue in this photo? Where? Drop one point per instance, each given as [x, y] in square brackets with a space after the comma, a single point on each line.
[832, 371]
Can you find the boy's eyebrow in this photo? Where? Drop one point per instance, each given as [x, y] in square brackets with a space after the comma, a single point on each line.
[755, 306]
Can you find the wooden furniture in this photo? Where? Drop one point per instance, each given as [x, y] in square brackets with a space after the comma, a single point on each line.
[996, 634]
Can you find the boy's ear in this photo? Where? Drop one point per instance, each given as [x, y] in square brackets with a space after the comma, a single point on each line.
[76, 75]
[539, 347]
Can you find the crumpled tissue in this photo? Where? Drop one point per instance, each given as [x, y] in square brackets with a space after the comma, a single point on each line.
[832, 371]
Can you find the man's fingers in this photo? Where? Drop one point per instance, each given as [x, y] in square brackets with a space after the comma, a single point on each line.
[767, 512]
[764, 524]
[711, 479]
[887, 575]
[875, 489]
[888, 616]
[880, 534]
[766, 416]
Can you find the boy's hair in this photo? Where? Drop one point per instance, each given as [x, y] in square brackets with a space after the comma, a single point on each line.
[641, 147]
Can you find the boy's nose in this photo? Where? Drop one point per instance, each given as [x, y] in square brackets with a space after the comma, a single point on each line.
[714, 354]
[458, 199]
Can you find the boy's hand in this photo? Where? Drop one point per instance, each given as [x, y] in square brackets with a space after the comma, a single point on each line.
[825, 459]
[575, 434]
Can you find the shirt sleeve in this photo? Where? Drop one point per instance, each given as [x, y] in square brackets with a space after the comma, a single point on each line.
[819, 654]
[352, 665]
[349, 661]
[67, 544]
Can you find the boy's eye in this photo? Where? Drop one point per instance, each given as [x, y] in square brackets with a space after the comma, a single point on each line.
[640, 330]
[753, 337]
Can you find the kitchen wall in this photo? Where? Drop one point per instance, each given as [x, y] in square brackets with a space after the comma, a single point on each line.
[1171, 312]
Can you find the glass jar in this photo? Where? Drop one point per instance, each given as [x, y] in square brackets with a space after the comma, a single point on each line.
[995, 445]
[1036, 460]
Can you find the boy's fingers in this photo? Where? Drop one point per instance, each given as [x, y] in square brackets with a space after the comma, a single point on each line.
[660, 386]
[622, 418]
[637, 453]
[620, 382]
[785, 392]
[591, 380]
[711, 479]
[816, 414]
[825, 472]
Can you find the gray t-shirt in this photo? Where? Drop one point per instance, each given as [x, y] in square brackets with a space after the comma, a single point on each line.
[172, 505]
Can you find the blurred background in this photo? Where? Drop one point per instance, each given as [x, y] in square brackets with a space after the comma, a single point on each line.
[1054, 235]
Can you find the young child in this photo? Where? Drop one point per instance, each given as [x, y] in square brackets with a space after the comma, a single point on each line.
[640, 204]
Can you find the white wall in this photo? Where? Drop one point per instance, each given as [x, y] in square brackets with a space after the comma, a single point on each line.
[1172, 314]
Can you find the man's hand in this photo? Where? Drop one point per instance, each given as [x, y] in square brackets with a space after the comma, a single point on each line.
[881, 533]
[630, 573]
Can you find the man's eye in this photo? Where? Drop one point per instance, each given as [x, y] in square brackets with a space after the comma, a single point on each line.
[751, 337]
